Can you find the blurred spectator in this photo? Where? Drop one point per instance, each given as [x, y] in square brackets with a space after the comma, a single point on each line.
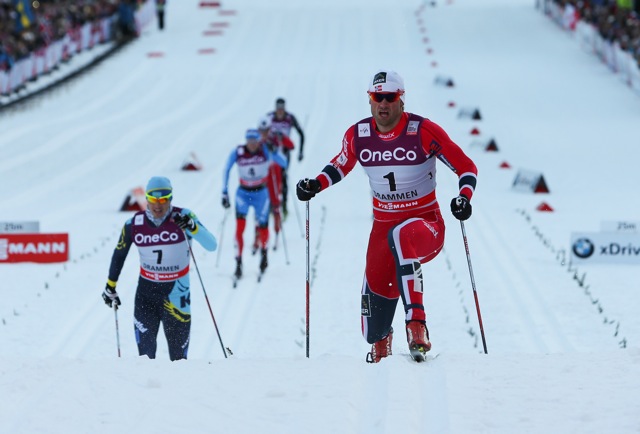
[126, 18]
[616, 21]
[28, 25]
[625, 4]
[160, 7]
[6, 61]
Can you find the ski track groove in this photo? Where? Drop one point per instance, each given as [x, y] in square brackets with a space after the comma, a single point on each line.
[84, 109]
[27, 403]
[233, 328]
[87, 125]
[84, 325]
[377, 384]
[539, 323]
[389, 380]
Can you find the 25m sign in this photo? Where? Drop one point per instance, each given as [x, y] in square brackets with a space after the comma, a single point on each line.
[43, 248]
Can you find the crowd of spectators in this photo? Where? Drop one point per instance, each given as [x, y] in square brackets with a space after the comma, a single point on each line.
[617, 21]
[28, 25]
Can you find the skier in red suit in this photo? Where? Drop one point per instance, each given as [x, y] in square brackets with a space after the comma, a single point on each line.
[276, 142]
[398, 151]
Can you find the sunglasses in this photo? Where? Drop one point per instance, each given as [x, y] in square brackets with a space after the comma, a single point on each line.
[163, 197]
[390, 97]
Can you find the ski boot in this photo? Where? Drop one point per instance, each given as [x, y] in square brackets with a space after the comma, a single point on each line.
[418, 340]
[238, 272]
[380, 349]
[263, 260]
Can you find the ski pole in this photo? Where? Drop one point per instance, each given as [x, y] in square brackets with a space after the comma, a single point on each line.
[284, 242]
[224, 351]
[473, 285]
[306, 118]
[224, 220]
[307, 291]
[115, 312]
[298, 218]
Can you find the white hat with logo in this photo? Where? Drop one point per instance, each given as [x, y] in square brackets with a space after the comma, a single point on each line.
[387, 81]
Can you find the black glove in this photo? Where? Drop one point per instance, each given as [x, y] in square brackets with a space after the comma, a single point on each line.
[460, 207]
[225, 201]
[300, 156]
[307, 188]
[110, 296]
[185, 222]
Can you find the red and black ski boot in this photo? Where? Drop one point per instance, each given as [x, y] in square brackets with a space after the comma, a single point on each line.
[418, 340]
[380, 349]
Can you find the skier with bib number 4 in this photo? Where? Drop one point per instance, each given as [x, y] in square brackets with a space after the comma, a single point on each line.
[253, 159]
[398, 151]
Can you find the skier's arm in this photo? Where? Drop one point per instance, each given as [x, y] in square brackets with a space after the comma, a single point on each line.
[341, 164]
[227, 170]
[297, 127]
[437, 142]
[120, 254]
[200, 233]
[277, 156]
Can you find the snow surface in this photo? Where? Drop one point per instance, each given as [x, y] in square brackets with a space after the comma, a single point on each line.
[563, 352]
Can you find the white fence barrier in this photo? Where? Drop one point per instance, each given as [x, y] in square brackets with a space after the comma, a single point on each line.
[617, 60]
[76, 40]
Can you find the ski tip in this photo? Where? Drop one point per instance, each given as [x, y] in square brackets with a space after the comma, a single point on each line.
[419, 354]
[423, 357]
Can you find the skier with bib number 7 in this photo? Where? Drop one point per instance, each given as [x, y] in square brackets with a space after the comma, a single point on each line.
[398, 151]
[163, 235]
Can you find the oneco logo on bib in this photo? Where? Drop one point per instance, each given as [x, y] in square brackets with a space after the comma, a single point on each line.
[398, 154]
[163, 236]
[583, 248]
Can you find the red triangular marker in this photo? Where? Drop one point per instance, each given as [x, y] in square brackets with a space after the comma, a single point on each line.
[541, 186]
[544, 207]
[135, 200]
[192, 163]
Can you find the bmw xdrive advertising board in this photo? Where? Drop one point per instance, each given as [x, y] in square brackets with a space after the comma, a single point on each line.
[605, 247]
